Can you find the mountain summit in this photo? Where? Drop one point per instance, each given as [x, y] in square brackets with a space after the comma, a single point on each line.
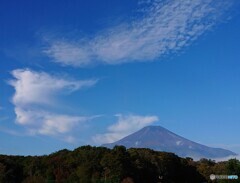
[161, 139]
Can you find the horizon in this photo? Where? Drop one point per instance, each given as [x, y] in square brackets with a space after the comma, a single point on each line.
[89, 72]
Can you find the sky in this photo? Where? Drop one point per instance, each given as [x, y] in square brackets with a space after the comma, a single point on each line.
[85, 72]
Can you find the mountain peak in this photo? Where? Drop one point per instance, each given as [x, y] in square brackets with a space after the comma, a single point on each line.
[161, 139]
[153, 127]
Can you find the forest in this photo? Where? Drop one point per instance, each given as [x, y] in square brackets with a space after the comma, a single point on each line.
[89, 164]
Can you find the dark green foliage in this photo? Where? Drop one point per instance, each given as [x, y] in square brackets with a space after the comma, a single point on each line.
[233, 167]
[88, 164]
[207, 167]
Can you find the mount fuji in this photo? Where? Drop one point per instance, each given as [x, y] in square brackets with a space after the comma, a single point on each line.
[161, 139]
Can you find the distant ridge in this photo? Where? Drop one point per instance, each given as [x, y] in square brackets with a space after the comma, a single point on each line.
[161, 139]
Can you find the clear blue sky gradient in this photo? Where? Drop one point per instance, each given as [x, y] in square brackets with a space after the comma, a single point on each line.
[195, 92]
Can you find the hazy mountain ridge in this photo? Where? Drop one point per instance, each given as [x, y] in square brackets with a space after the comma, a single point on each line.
[161, 139]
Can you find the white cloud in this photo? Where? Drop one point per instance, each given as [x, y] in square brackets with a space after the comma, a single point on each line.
[165, 26]
[39, 87]
[123, 127]
[45, 123]
[227, 158]
[69, 53]
[32, 90]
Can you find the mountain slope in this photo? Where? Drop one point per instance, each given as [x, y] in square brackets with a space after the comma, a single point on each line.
[161, 139]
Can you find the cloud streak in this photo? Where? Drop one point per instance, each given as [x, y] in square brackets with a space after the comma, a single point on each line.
[165, 27]
[34, 92]
[227, 158]
[123, 127]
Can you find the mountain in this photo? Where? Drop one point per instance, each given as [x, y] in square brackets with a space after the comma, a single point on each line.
[161, 139]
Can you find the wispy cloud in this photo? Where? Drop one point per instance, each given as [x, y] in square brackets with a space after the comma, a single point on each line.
[123, 127]
[227, 158]
[165, 27]
[39, 87]
[46, 123]
[11, 131]
[33, 92]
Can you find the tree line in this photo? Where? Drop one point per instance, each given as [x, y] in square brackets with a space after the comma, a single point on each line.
[88, 164]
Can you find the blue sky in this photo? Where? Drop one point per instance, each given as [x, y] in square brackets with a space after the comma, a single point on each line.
[90, 72]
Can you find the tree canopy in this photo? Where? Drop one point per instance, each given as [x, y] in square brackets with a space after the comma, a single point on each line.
[88, 164]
